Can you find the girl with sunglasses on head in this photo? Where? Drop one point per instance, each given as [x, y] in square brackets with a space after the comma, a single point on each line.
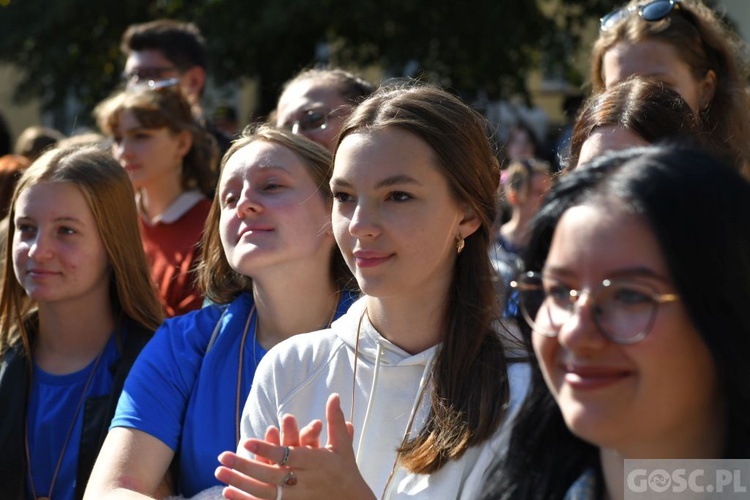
[417, 365]
[639, 327]
[685, 45]
[76, 308]
[171, 161]
[271, 268]
[316, 102]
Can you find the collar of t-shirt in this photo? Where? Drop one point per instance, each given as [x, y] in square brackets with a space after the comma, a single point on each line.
[179, 207]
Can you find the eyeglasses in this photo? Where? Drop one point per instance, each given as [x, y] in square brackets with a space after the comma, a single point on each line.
[313, 119]
[623, 310]
[652, 11]
[156, 84]
[146, 74]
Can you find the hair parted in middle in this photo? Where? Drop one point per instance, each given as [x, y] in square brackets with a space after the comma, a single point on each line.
[646, 107]
[109, 195]
[470, 389]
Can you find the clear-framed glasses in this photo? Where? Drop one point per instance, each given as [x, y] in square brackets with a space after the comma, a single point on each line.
[312, 119]
[623, 310]
[651, 11]
[141, 75]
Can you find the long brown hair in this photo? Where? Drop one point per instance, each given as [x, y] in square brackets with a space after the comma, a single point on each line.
[109, 195]
[218, 280]
[166, 107]
[470, 389]
[705, 44]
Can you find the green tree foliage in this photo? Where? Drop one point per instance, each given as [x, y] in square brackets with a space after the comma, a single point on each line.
[71, 47]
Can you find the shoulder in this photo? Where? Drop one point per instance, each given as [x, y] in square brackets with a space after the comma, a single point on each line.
[12, 362]
[188, 332]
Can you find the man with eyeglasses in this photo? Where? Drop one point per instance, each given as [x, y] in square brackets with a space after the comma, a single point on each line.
[316, 101]
[165, 49]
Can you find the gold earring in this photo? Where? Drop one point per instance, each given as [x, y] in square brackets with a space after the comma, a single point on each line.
[460, 243]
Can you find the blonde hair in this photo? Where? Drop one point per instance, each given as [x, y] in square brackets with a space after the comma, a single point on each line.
[704, 44]
[218, 280]
[109, 195]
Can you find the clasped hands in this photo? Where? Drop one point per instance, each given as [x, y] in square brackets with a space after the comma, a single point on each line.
[310, 471]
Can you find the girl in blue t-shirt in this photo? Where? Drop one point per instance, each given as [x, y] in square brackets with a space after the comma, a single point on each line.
[76, 307]
[272, 270]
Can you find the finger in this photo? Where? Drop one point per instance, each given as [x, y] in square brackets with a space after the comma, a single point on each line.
[273, 453]
[289, 431]
[339, 439]
[273, 436]
[310, 434]
[249, 475]
[242, 487]
[350, 430]
[231, 493]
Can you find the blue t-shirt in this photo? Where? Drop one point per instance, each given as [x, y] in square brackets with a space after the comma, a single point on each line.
[187, 399]
[52, 405]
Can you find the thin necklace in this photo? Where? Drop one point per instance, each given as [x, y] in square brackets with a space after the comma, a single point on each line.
[407, 433]
[255, 358]
[67, 436]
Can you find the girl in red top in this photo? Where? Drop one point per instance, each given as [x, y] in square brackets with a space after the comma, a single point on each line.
[171, 161]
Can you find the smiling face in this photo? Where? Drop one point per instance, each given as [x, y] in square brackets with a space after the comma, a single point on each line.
[151, 157]
[646, 400]
[313, 95]
[58, 253]
[394, 217]
[658, 60]
[273, 215]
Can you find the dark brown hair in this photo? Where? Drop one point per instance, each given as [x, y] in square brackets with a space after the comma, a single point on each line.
[470, 388]
[180, 43]
[645, 107]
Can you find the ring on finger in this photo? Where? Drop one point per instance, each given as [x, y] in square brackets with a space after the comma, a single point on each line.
[290, 479]
[279, 489]
[285, 458]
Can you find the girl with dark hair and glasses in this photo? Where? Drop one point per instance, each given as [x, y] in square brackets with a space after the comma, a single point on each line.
[684, 44]
[639, 326]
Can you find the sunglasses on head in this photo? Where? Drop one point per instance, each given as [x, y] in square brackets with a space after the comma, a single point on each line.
[651, 12]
